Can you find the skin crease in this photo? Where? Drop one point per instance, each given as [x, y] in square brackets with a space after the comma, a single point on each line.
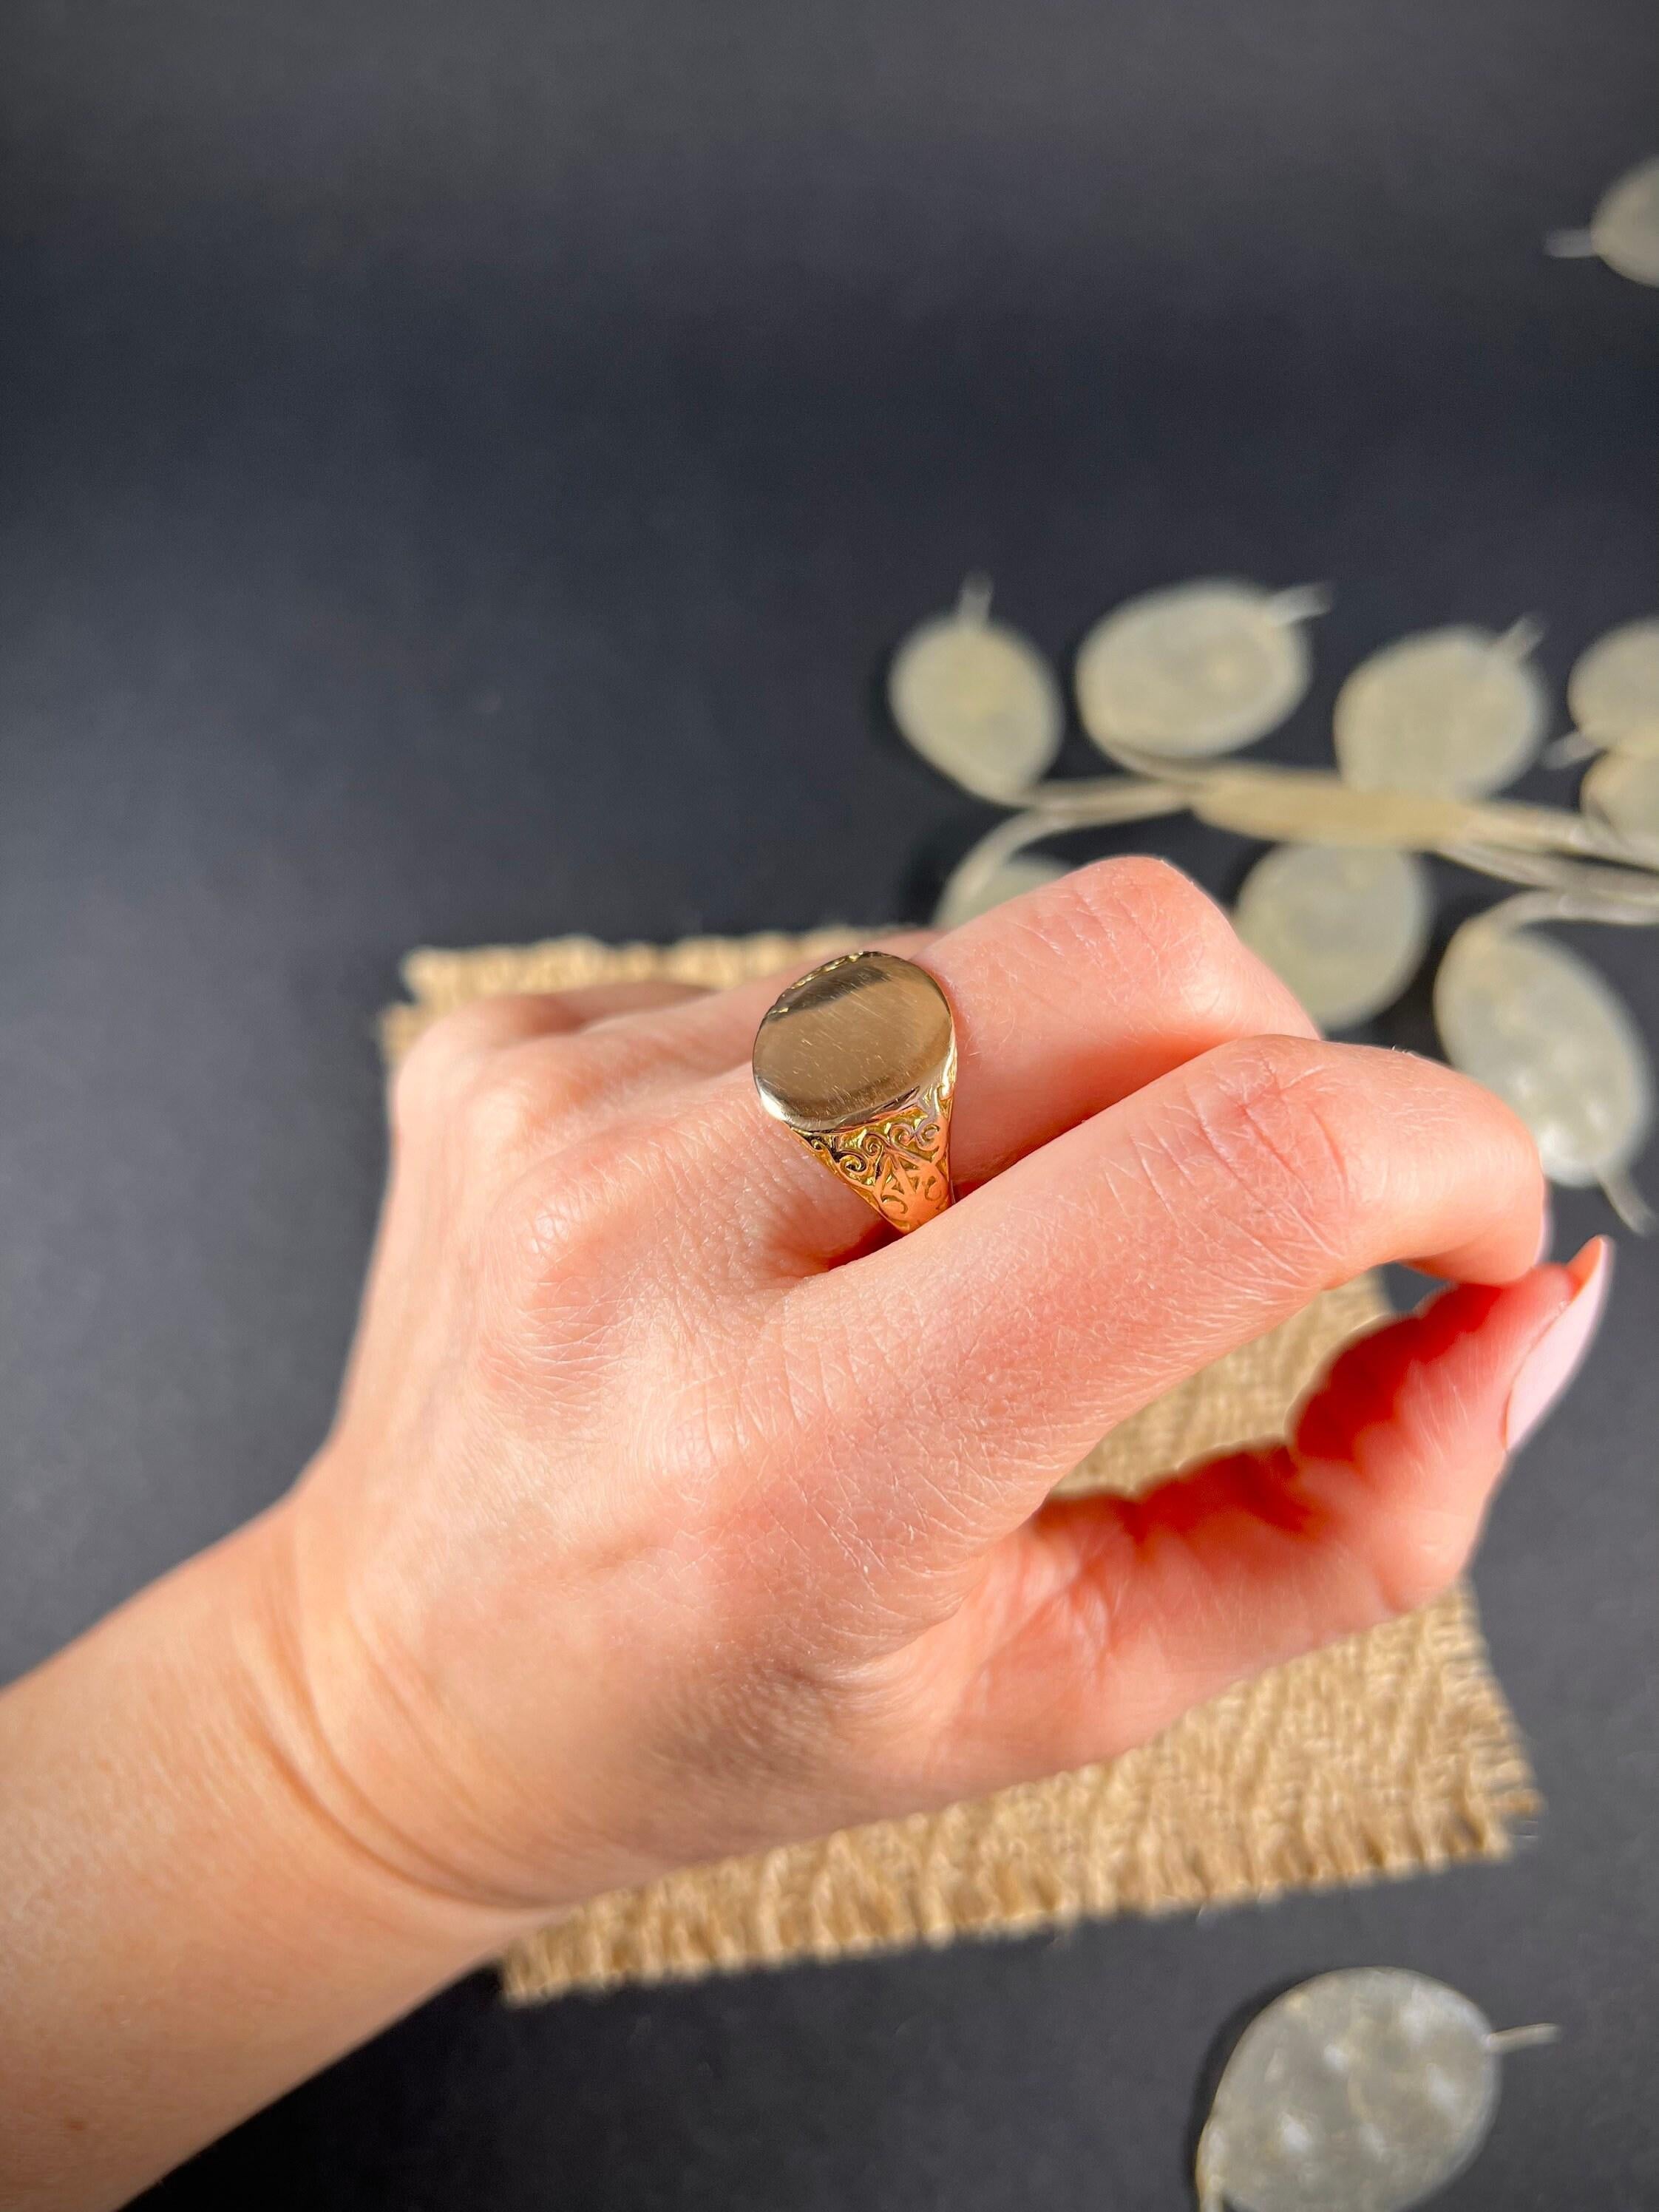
[673, 1507]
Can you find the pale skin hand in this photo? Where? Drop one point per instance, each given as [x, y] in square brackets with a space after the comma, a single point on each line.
[672, 1508]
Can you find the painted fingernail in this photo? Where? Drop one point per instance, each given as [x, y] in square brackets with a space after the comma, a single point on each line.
[1554, 1359]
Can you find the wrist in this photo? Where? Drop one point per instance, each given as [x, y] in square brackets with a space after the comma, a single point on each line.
[172, 1867]
[313, 1745]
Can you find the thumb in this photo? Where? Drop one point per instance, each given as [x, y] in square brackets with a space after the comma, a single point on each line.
[1104, 1618]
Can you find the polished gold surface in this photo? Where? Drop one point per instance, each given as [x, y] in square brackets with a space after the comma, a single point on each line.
[854, 1038]
[859, 1059]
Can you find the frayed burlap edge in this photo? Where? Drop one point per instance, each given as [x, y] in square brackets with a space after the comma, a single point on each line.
[1391, 1753]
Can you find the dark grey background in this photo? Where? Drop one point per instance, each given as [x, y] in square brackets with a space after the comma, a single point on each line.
[464, 464]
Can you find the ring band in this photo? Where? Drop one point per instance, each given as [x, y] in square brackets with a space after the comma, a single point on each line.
[858, 1058]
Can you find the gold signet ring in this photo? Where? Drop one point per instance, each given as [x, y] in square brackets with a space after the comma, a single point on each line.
[859, 1060]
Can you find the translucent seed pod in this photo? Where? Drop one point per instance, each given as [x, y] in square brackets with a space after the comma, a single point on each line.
[1623, 231]
[1012, 878]
[1344, 926]
[978, 701]
[1454, 714]
[1542, 1029]
[1613, 693]
[1622, 790]
[1197, 670]
[983, 878]
[1364, 2091]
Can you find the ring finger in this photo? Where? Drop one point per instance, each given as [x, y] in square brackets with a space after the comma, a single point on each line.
[1065, 1001]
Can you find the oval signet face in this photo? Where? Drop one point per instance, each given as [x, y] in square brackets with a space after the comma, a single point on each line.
[856, 1039]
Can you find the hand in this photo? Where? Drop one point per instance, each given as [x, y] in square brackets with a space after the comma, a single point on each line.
[673, 1509]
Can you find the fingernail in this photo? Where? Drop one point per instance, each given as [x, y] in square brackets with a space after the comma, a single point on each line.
[1554, 1359]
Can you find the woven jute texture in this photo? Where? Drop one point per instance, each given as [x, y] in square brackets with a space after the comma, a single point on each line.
[1391, 1753]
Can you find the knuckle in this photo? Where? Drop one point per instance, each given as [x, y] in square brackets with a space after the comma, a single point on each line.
[458, 1049]
[550, 1235]
[506, 1105]
[425, 1077]
[545, 1311]
[1172, 929]
[446, 1054]
[602, 1238]
[1150, 894]
[496, 1097]
[1284, 1119]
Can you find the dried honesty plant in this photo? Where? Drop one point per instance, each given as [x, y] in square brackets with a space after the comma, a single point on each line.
[1425, 732]
[1364, 2091]
[1623, 231]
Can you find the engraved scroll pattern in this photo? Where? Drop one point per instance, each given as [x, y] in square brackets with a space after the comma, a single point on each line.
[900, 1163]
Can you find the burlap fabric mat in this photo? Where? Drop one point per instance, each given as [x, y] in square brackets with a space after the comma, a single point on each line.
[1391, 1753]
